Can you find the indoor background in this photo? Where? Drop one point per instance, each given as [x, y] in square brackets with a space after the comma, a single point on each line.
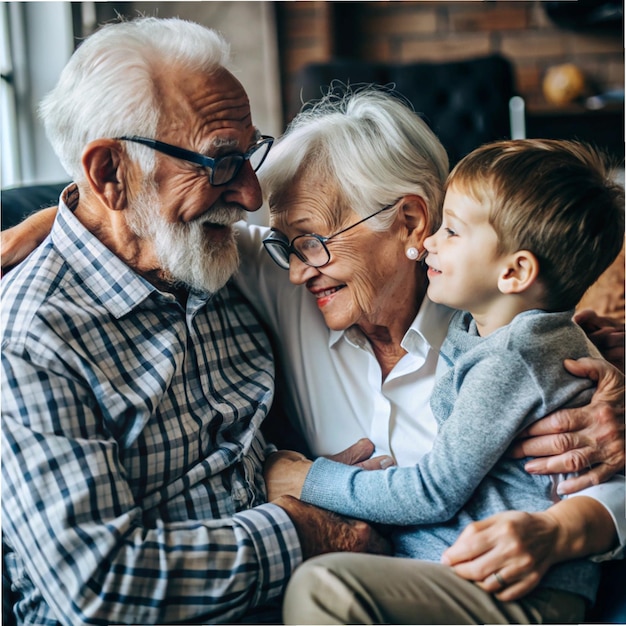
[272, 42]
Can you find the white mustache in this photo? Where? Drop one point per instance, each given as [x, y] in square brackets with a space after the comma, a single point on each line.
[222, 215]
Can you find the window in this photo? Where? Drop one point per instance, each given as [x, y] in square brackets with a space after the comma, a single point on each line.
[37, 41]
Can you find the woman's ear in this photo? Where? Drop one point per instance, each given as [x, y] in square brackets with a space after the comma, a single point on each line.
[414, 215]
[104, 166]
[519, 272]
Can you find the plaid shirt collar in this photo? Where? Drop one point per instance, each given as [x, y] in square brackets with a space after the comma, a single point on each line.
[116, 285]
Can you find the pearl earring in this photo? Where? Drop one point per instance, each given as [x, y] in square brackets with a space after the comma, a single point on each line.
[412, 253]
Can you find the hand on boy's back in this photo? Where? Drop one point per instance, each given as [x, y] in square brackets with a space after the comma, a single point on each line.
[588, 439]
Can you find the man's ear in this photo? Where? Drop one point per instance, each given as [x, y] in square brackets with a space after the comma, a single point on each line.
[519, 271]
[105, 168]
[414, 215]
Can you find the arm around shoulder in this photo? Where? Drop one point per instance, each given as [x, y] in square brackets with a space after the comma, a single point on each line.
[19, 241]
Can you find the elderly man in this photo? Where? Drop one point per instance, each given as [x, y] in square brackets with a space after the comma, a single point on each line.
[135, 380]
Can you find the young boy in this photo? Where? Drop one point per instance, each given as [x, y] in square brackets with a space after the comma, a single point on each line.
[527, 227]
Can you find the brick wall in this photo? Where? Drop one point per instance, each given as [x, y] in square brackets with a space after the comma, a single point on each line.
[438, 31]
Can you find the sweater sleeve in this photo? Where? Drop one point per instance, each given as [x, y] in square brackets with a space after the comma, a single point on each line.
[487, 414]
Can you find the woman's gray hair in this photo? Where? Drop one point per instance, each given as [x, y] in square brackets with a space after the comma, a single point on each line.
[369, 145]
[107, 89]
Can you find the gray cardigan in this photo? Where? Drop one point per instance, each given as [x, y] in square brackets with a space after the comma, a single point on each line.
[488, 390]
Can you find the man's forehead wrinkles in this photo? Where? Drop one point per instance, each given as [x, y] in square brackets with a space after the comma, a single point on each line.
[225, 110]
[212, 99]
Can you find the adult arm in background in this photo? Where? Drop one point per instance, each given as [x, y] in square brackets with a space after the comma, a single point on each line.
[18, 242]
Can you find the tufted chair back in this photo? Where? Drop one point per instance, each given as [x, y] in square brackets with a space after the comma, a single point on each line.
[466, 102]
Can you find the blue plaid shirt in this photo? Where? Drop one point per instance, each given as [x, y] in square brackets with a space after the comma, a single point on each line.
[131, 450]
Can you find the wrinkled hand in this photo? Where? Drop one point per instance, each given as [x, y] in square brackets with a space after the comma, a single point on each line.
[589, 439]
[285, 471]
[518, 546]
[284, 474]
[608, 335]
[359, 454]
[321, 531]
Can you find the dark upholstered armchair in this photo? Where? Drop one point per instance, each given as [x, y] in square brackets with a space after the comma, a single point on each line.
[466, 103]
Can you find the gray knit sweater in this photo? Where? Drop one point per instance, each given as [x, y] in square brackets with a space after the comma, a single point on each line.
[488, 390]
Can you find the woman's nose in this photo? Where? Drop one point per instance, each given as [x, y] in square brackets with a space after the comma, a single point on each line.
[300, 272]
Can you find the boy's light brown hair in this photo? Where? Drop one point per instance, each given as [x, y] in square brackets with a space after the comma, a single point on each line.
[554, 198]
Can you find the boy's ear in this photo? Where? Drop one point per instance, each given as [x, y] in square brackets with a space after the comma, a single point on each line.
[105, 168]
[519, 271]
[414, 215]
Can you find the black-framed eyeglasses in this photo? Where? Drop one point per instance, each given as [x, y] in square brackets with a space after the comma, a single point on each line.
[310, 248]
[222, 169]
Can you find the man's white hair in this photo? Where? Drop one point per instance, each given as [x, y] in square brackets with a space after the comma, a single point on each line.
[107, 87]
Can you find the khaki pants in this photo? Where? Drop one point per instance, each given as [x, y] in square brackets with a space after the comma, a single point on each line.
[347, 588]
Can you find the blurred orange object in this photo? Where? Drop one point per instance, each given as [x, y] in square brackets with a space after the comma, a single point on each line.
[563, 84]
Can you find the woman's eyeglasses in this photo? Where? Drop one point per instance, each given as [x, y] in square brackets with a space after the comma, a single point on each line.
[310, 248]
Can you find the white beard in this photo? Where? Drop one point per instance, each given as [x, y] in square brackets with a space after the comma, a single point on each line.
[184, 251]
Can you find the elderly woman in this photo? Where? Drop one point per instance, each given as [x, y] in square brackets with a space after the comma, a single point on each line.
[354, 188]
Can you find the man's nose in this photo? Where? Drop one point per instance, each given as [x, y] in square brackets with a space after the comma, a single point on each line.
[300, 272]
[245, 189]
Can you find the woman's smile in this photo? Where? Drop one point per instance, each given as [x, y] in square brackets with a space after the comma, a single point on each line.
[324, 295]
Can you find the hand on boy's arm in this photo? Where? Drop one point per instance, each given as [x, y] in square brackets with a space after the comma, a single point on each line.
[284, 473]
[359, 454]
[286, 470]
[18, 242]
[588, 439]
[520, 547]
[319, 531]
